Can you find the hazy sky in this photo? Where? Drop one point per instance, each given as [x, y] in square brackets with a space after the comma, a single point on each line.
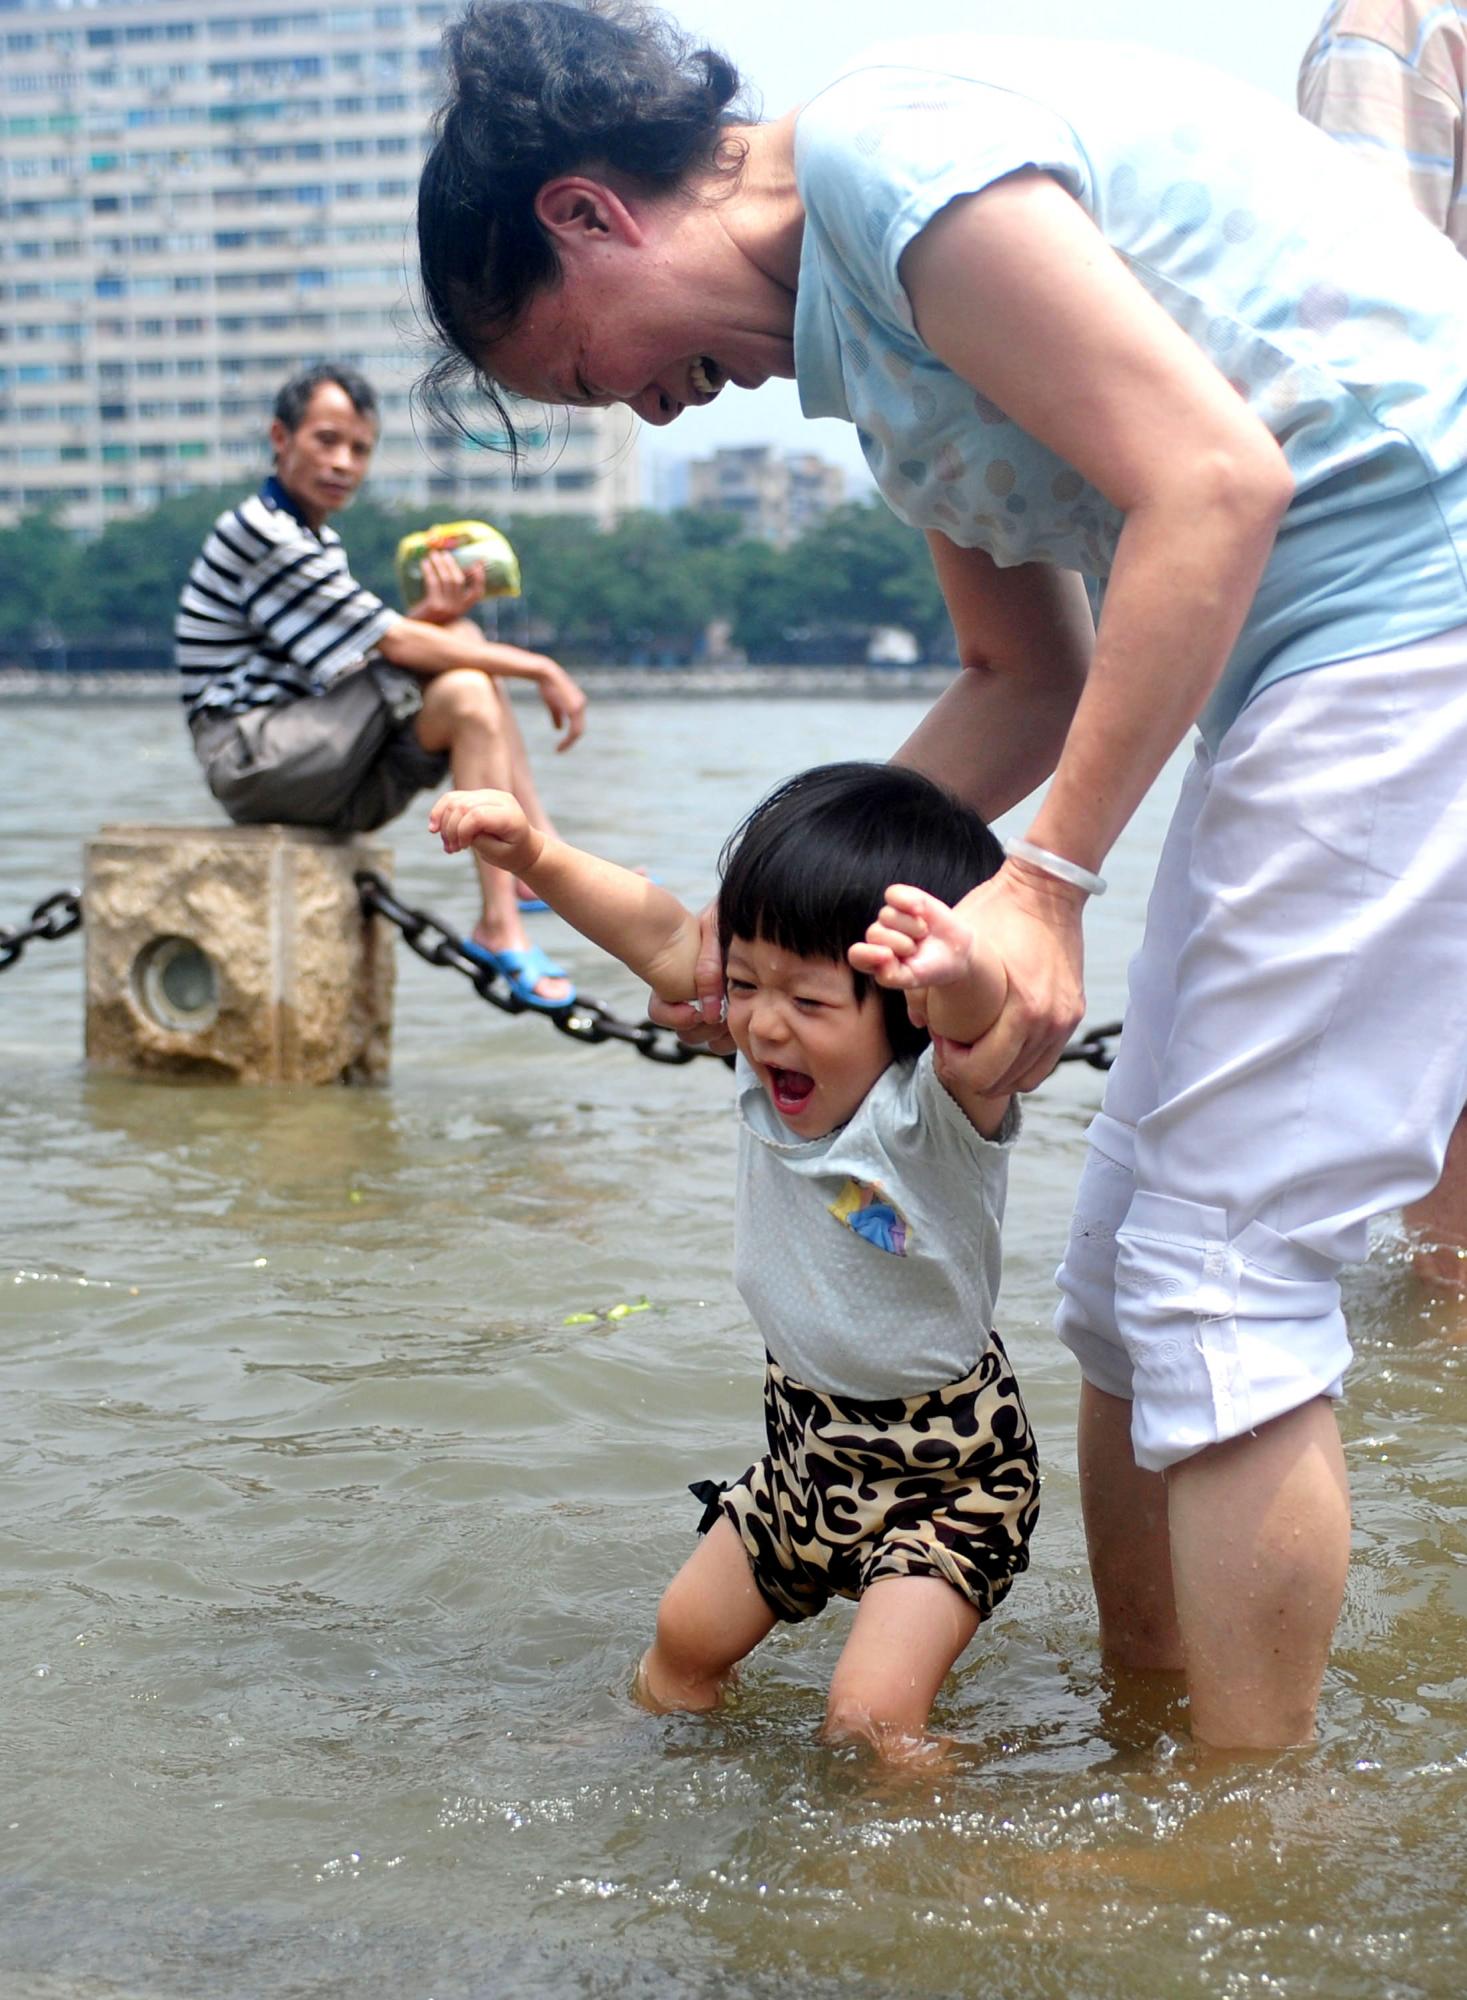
[786, 48]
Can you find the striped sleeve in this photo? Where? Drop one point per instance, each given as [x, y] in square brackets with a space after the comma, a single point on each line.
[269, 613]
[1388, 83]
[301, 600]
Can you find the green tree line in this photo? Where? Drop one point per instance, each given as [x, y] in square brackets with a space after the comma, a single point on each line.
[644, 591]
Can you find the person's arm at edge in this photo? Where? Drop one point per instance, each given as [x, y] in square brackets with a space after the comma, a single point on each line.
[1381, 106]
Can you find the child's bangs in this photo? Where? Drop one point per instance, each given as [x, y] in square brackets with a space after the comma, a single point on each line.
[801, 896]
[809, 869]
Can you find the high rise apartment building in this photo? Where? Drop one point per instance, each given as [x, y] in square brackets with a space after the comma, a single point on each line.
[196, 198]
[776, 495]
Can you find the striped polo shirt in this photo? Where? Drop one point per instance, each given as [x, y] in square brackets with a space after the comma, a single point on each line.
[270, 612]
[1388, 78]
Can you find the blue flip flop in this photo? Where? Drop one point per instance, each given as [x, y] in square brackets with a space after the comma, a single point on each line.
[522, 971]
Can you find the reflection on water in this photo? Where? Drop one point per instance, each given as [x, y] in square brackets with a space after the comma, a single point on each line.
[327, 1545]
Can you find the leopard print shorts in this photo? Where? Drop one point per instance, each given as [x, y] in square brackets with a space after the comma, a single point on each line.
[942, 1484]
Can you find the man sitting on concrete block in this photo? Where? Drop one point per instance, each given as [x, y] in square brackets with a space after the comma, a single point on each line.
[312, 703]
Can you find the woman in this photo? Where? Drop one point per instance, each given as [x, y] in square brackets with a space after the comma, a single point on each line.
[1102, 316]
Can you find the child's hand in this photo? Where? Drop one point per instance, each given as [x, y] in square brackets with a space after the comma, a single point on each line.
[916, 941]
[493, 824]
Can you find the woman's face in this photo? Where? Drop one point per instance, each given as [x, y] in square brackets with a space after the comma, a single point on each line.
[656, 308]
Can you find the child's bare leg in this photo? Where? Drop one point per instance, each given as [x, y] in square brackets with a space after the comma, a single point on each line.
[907, 1633]
[711, 1615]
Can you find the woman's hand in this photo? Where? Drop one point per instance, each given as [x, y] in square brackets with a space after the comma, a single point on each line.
[449, 592]
[699, 1022]
[1031, 923]
[493, 824]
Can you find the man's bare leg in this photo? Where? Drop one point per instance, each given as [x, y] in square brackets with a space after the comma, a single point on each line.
[522, 784]
[522, 778]
[465, 714]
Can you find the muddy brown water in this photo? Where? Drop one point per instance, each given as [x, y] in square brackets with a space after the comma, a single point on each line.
[327, 1546]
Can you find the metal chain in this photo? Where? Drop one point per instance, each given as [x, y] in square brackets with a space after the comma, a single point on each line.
[1094, 1047]
[584, 1020]
[587, 1020]
[57, 917]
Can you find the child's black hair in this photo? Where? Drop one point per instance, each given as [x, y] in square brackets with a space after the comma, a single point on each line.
[809, 868]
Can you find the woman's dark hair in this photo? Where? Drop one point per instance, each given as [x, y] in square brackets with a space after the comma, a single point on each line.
[810, 867]
[538, 88]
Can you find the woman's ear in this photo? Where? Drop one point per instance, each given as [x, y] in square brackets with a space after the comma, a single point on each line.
[573, 207]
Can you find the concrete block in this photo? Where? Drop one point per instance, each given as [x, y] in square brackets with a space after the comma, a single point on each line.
[235, 954]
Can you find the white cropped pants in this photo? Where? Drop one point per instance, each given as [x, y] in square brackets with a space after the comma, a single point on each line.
[1294, 1054]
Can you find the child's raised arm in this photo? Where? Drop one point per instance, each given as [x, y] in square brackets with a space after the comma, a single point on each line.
[636, 921]
[918, 946]
[917, 943]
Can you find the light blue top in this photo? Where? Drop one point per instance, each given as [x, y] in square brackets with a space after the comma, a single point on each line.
[870, 1258]
[1338, 313]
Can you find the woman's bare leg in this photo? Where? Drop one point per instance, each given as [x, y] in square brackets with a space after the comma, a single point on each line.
[1439, 1220]
[1260, 1534]
[1231, 1565]
[1128, 1540]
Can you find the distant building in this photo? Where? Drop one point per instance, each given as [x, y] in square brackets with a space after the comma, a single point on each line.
[776, 496]
[197, 199]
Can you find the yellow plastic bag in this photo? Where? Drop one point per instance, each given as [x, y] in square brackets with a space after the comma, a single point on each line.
[468, 542]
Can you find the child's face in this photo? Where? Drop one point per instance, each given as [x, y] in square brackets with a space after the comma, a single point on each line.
[816, 1048]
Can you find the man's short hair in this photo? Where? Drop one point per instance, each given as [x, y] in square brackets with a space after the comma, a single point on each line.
[295, 395]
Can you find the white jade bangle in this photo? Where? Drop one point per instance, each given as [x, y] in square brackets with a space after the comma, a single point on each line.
[1056, 865]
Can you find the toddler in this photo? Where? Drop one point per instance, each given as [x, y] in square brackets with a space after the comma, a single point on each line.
[900, 1468]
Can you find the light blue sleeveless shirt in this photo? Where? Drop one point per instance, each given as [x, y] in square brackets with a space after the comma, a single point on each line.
[1339, 314]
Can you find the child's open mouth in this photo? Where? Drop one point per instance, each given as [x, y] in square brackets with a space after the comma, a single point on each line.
[790, 1089]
